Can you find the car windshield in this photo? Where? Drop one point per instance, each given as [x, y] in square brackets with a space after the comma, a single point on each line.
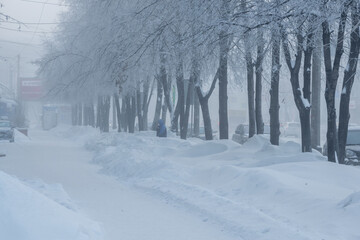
[4, 124]
[353, 138]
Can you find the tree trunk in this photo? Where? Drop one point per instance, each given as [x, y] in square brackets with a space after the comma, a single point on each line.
[181, 99]
[196, 116]
[302, 103]
[118, 111]
[349, 75]
[103, 113]
[107, 100]
[74, 114]
[179, 109]
[250, 91]
[92, 114]
[88, 114]
[145, 104]
[80, 114]
[195, 72]
[274, 91]
[163, 112]
[305, 130]
[124, 114]
[259, 71]
[332, 75]
[139, 107]
[204, 103]
[250, 77]
[175, 119]
[114, 125]
[98, 112]
[223, 65]
[315, 97]
[158, 105]
[164, 82]
[305, 114]
[131, 112]
[185, 125]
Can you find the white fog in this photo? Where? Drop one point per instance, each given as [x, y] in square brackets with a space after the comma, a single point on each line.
[191, 119]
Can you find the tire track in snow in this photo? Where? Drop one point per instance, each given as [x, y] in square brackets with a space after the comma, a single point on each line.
[246, 222]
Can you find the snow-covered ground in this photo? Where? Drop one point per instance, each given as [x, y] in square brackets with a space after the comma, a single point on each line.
[137, 186]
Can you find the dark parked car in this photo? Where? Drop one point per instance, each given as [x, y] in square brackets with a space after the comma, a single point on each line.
[6, 131]
[352, 156]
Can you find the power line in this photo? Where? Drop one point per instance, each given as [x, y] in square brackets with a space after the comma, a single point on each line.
[19, 43]
[37, 27]
[7, 17]
[56, 4]
[32, 23]
[25, 31]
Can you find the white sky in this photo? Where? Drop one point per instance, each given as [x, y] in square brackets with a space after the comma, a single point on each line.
[27, 41]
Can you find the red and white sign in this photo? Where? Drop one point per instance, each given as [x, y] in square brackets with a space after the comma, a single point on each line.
[30, 89]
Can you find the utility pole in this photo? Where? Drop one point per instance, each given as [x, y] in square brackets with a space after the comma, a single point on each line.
[18, 79]
[11, 78]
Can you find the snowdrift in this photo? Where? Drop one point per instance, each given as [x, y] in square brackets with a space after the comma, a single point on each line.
[254, 191]
[28, 214]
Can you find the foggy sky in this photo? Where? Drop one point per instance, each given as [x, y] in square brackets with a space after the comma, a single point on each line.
[25, 42]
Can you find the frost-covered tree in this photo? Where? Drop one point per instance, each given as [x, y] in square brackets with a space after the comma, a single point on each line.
[125, 49]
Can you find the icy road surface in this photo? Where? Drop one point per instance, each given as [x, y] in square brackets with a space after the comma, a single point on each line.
[141, 187]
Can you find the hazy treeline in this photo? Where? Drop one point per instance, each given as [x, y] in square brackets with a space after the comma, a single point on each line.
[130, 51]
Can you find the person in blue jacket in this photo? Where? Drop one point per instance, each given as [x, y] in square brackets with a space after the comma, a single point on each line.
[161, 129]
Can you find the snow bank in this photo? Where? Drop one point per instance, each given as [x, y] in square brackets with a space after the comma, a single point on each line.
[27, 214]
[353, 200]
[54, 191]
[136, 158]
[253, 191]
[20, 137]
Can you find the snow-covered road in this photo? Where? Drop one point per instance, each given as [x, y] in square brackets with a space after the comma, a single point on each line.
[123, 212]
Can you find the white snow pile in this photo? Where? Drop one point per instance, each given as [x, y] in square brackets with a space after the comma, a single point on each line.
[26, 213]
[20, 137]
[53, 191]
[254, 191]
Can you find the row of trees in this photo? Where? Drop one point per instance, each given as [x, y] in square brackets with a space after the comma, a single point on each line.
[126, 49]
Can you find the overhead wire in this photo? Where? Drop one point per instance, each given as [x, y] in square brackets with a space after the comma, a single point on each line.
[37, 27]
[48, 3]
[19, 43]
[32, 23]
[11, 21]
[26, 31]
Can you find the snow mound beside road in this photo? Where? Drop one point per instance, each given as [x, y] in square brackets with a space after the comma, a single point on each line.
[254, 191]
[27, 214]
[20, 137]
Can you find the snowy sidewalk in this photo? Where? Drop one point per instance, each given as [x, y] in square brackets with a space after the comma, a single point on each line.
[142, 187]
[124, 213]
